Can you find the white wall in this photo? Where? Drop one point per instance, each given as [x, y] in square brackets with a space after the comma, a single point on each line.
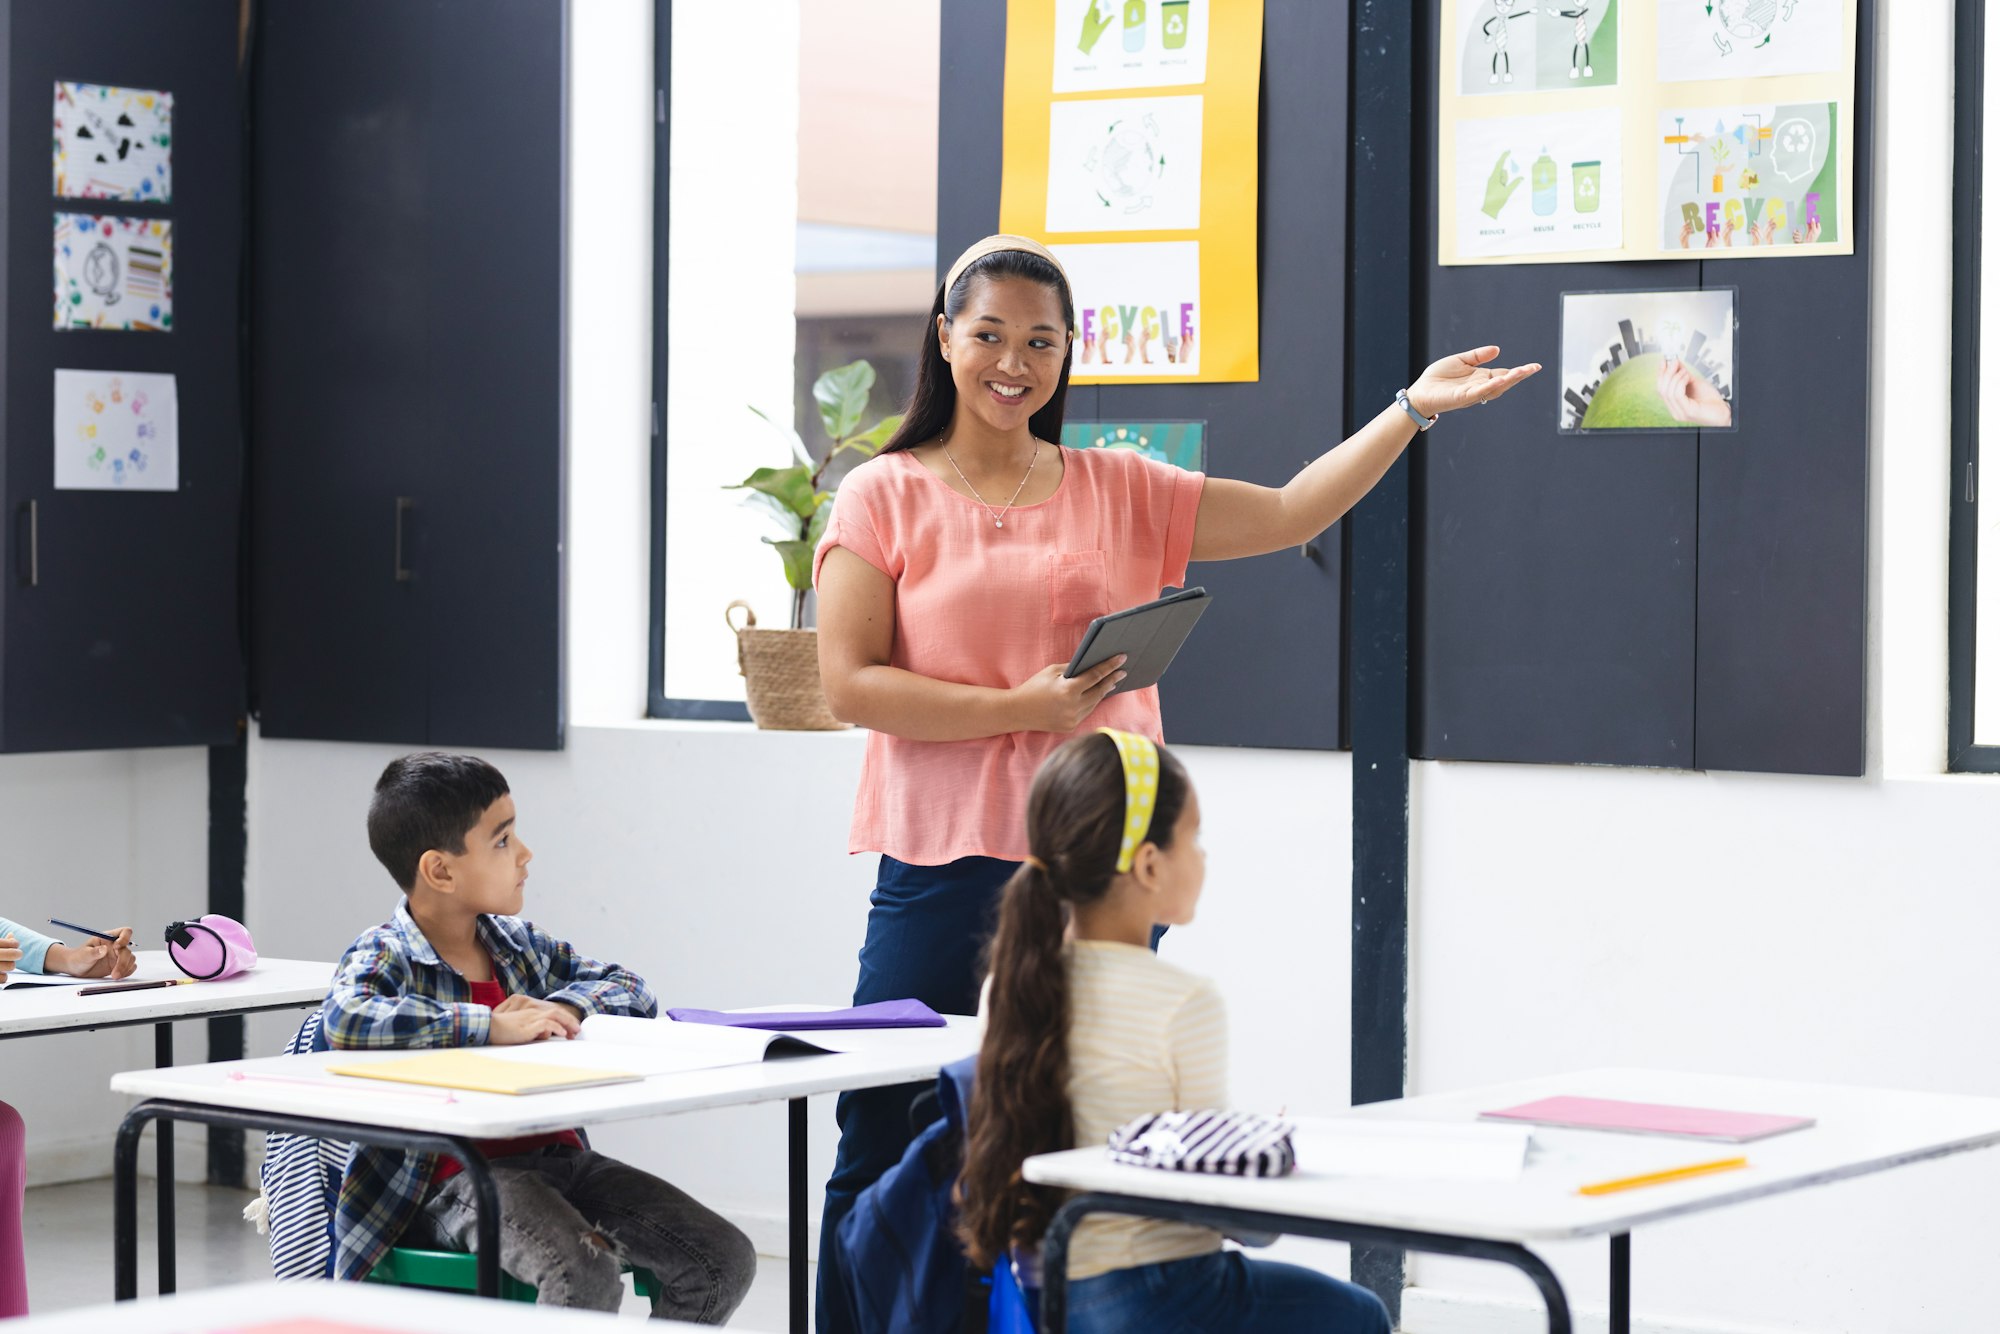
[106, 838]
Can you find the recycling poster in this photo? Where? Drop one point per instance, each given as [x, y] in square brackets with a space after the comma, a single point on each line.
[1130, 148]
[1578, 130]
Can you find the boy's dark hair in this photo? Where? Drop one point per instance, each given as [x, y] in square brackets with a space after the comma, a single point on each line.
[425, 801]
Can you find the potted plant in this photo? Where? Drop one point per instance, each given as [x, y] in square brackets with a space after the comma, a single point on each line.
[781, 667]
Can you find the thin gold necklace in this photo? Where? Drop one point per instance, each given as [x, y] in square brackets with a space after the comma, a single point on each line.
[994, 514]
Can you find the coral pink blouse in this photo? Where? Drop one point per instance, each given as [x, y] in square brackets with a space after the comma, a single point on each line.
[992, 606]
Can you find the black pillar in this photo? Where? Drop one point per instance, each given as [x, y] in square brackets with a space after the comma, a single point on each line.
[1382, 296]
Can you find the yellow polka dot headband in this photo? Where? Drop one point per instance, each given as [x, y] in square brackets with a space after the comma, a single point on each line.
[1140, 759]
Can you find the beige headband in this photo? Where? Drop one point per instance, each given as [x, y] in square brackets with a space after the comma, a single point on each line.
[994, 244]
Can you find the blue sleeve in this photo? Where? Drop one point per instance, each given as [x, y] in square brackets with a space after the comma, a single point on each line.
[34, 946]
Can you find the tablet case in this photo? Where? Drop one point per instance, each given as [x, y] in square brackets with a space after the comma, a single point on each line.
[1148, 635]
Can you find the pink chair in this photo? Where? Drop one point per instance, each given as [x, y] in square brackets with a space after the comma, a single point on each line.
[13, 1180]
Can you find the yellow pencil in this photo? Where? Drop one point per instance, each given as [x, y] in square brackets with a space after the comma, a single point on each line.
[1660, 1178]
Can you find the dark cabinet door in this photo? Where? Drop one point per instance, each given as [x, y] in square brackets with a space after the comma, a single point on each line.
[407, 371]
[339, 339]
[121, 607]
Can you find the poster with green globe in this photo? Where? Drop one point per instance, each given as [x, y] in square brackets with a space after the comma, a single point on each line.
[1649, 361]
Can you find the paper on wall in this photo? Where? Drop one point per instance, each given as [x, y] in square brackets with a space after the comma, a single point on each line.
[1125, 164]
[116, 430]
[1101, 45]
[114, 273]
[113, 143]
[1539, 184]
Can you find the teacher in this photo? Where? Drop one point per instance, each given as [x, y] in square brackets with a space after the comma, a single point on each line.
[956, 576]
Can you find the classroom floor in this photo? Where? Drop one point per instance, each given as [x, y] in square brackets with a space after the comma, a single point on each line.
[69, 1250]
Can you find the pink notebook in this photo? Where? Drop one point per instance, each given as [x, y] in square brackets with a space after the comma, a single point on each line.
[1649, 1118]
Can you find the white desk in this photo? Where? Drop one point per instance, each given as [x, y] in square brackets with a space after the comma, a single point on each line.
[293, 1093]
[370, 1305]
[1859, 1131]
[274, 984]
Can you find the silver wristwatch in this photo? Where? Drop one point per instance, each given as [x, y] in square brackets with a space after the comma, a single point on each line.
[1403, 401]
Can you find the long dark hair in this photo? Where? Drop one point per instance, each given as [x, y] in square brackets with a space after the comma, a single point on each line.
[935, 398]
[1020, 1100]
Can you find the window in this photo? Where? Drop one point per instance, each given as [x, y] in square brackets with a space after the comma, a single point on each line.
[1975, 526]
[797, 200]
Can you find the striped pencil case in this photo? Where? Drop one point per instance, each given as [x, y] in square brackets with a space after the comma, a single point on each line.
[1236, 1144]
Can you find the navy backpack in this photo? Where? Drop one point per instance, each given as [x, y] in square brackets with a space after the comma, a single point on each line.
[901, 1263]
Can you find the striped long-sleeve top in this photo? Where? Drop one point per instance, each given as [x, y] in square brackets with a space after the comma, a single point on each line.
[1144, 1037]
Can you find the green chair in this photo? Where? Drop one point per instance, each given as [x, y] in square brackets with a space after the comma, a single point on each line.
[458, 1271]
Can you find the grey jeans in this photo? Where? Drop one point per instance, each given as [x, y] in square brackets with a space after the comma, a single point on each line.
[569, 1216]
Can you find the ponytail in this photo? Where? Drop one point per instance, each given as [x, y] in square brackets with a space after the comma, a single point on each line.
[1020, 1099]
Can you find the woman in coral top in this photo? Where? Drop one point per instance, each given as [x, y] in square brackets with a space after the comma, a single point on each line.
[958, 572]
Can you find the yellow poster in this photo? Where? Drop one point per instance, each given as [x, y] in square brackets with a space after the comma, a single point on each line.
[1130, 149]
[1645, 129]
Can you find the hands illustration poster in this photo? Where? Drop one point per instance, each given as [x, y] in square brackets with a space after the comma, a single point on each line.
[116, 430]
[1130, 148]
[1649, 361]
[1715, 125]
[1738, 178]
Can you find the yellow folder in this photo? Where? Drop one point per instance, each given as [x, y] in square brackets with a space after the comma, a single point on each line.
[461, 1068]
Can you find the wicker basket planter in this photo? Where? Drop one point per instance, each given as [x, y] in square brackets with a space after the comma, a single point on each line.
[781, 675]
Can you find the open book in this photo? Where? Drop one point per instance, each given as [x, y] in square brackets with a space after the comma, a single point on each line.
[666, 1047]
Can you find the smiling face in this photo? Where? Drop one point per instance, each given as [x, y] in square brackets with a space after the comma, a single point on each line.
[491, 875]
[1007, 348]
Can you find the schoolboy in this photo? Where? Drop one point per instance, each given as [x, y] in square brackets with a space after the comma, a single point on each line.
[455, 967]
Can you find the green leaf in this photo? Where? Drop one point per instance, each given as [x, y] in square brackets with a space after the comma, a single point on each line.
[791, 487]
[798, 557]
[799, 450]
[870, 441]
[781, 513]
[842, 395]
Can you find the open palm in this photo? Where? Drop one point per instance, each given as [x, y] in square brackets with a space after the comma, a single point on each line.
[1464, 379]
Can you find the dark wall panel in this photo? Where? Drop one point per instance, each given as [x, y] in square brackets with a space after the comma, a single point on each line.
[130, 638]
[1557, 573]
[1683, 600]
[1263, 668]
[408, 335]
[1782, 645]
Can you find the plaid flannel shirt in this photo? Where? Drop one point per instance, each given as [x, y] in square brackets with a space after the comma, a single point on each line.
[392, 990]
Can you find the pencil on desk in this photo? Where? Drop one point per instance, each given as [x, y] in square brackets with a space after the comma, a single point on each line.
[133, 986]
[1661, 1178]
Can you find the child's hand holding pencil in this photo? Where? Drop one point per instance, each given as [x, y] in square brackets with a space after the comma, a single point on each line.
[102, 956]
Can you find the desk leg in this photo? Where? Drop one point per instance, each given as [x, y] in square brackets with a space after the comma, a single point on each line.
[1055, 1246]
[125, 1209]
[1621, 1283]
[486, 1218]
[163, 1132]
[801, 1287]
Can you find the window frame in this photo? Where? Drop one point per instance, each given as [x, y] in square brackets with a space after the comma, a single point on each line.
[658, 705]
[1963, 755]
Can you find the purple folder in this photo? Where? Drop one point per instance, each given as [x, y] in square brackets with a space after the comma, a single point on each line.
[882, 1014]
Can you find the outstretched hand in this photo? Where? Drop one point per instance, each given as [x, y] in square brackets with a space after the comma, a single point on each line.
[1464, 379]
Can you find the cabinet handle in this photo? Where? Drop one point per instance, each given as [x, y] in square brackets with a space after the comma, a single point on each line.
[31, 569]
[404, 505]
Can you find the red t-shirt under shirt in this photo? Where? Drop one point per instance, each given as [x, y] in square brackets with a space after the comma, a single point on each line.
[490, 994]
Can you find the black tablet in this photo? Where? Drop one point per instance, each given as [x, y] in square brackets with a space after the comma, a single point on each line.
[1148, 635]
